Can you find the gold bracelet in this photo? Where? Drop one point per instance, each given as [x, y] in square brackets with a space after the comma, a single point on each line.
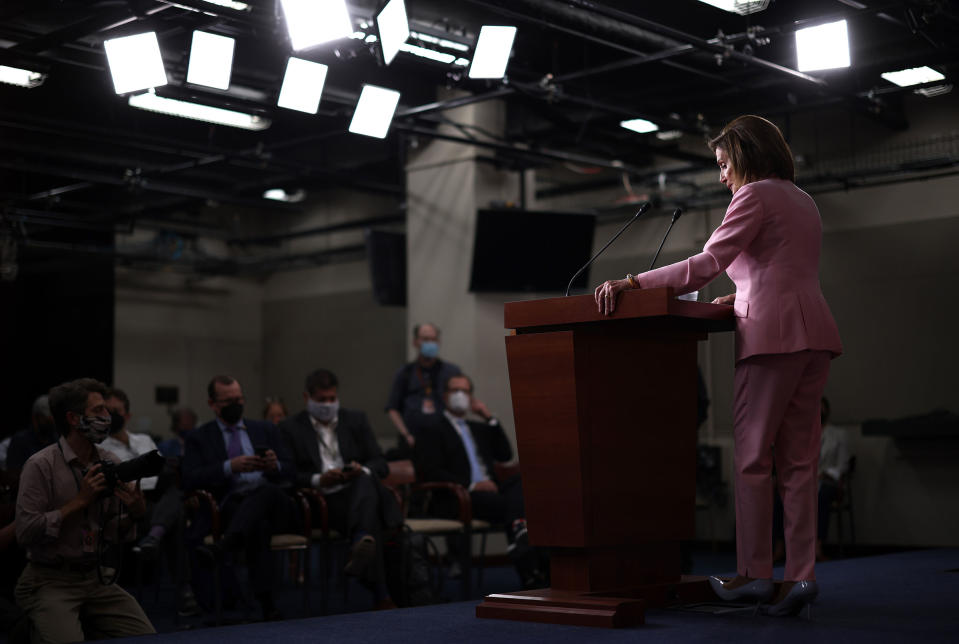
[631, 281]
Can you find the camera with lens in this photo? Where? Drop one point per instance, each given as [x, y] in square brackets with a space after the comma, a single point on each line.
[149, 464]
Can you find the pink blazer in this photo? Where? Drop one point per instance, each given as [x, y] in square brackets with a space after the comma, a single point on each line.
[768, 244]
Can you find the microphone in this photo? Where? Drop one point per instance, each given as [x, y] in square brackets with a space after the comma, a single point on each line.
[676, 215]
[641, 210]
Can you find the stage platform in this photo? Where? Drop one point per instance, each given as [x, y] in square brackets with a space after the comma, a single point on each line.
[902, 597]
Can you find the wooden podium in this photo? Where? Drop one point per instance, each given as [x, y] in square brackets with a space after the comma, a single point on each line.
[605, 412]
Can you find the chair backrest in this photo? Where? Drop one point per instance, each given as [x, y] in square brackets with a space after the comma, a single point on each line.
[401, 473]
[506, 471]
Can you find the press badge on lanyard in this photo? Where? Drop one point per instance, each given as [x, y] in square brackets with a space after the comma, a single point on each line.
[428, 406]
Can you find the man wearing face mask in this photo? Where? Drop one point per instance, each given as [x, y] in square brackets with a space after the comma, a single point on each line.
[417, 393]
[27, 442]
[162, 524]
[463, 451]
[246, 466]
[64, 511]
[335, 452]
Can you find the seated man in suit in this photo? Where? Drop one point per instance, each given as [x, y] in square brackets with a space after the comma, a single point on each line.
[336, 453]
[464, 451]
[245, 465]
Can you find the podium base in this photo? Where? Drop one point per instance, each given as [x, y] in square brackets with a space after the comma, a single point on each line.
[607, 609]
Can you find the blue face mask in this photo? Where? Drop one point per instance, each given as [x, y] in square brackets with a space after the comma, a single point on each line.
[429, 349]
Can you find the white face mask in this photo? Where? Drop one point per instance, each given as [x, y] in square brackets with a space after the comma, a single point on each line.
[323, 412]
[459, 402]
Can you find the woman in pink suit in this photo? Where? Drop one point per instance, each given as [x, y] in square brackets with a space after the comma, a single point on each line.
[769, 244]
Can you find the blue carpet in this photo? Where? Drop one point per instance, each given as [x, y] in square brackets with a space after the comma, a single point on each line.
[891, 598]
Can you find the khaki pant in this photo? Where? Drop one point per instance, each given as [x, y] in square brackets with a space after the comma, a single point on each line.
[74, 606]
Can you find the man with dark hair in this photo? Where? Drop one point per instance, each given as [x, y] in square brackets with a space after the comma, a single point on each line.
[29, 441]
[416, 396]
[64, 509]
[336, 453]
[457, 450]
[246, 466]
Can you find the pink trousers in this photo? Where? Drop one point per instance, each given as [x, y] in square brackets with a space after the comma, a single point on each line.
[776, 416]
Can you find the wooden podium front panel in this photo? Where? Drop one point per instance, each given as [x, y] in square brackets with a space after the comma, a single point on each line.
[606, 432]
[637, 398]
[543, 385]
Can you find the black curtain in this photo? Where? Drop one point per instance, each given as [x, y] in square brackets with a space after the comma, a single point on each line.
[56, 318]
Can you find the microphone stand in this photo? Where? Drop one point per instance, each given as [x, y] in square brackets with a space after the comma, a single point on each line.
[641, 210]
[676, 215]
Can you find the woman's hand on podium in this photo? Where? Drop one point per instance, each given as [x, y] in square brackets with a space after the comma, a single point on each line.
[606, 293]
[728, 300]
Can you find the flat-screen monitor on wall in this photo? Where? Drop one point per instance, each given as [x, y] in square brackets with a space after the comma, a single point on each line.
[532, 251]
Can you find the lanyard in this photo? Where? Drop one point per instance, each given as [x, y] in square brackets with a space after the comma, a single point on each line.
[427, 387]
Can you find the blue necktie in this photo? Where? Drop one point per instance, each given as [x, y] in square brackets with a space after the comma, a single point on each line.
[476, 470]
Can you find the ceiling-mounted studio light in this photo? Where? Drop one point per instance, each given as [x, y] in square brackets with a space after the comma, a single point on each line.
[135, 62]
[393, 26]
[822, 47]
[211, 60]
[492, 52]
[314, 22]
[302, 85]
[374, 111]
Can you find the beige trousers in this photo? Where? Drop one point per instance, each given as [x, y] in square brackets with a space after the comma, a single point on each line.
[74, 606]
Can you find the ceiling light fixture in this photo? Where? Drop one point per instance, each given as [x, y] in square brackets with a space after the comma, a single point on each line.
[374, 111]
[935, 90]
[431, 54]
[913, 76]
[441, 42]
[21, 77]
[742, 7]
[302, 85]
[314, 22]
[822, 47]
[211, 60]
[393, 27]
[279, 194]
[173, 107]
[492, 52]
[639, 125]
[135, 62]
[230, 4]
[669, 135]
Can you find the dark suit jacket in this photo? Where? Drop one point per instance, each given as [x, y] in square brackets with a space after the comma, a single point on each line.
[205, 452]
[355, 437]
[440, 455]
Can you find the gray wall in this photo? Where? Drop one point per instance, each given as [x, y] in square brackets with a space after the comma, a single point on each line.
[349, 333]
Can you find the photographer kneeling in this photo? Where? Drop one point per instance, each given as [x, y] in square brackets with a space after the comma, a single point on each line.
[67, 511]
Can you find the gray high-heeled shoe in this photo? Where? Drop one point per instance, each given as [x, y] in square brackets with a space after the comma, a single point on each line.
[799, 596]
[757, 590]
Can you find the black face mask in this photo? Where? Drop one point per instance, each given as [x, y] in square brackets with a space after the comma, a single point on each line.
[232, 413]
[116, 422]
